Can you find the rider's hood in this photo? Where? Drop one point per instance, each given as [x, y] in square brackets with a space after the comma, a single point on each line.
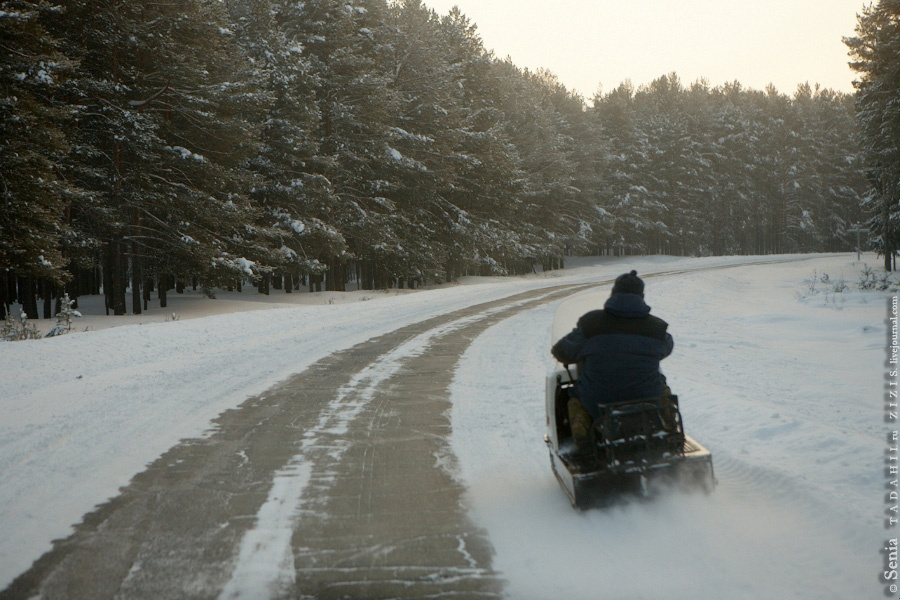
[627, 305]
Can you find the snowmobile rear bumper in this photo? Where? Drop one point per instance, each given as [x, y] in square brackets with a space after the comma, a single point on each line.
[590, 483]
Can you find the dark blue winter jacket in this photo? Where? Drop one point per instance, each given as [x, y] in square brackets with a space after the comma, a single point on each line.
[617, 350]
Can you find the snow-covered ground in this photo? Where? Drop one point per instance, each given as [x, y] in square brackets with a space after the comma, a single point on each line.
[786, 391]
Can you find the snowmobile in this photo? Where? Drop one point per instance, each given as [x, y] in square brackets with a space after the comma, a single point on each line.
[638, 447]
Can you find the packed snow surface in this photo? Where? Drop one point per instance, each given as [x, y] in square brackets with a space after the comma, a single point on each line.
[781, 377]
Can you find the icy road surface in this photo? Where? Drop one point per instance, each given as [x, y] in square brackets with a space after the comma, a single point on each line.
[404, 458]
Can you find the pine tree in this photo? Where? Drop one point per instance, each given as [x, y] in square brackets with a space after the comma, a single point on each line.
[164, 102]
[347, 44]
[291, 197]
[551, 164]
[33, 141]
[637, 212]
[476, 223]
[733, 152]
[876, 57]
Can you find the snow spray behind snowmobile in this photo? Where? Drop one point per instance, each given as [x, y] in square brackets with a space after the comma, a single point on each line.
[638, 448]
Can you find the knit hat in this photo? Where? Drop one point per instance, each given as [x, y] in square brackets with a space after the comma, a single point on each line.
[629, 283]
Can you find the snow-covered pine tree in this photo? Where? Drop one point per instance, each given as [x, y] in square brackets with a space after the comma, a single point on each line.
[637, 213]
[33, 141]
[346, 44]
[677, 177]
[414, 184]
[825, 200]
[446, 187]
[561, 215]
[64, 317]
[694, 234]
[842, 180]
[480, 189]
[292, 197]
[165, 124]
[875, 50]
[589, 224]
[731, 154]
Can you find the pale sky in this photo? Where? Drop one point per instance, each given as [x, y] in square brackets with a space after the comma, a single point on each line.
[587, 43]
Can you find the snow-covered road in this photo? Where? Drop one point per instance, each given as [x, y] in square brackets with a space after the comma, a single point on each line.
[785, 390]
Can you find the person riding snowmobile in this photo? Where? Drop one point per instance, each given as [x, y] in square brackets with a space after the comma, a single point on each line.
[618, 350]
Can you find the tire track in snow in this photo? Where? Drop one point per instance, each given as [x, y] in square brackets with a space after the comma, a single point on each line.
[266, 559]
[386, 520]
[212, 510]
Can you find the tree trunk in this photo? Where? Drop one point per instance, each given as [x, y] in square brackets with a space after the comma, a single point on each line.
[886, 225]
[148, 287]
[4, 294]
[163, 290]
[340, 277]
[107, 281]
[330, 278]
[136, 278]
[60, 291]
[11, 293]
[28, 297]
[47, 295]
[367, 275]
[118, 278]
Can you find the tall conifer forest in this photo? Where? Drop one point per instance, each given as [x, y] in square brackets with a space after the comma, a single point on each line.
[147, 147]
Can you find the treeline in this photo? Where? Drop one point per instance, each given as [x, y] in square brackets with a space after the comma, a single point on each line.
[152, 146]
[729, 170]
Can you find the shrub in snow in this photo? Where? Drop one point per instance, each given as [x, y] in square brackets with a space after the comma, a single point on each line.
[870, 280]
[811, 283]
[836, 287]
[13, 331]
[64, 318]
